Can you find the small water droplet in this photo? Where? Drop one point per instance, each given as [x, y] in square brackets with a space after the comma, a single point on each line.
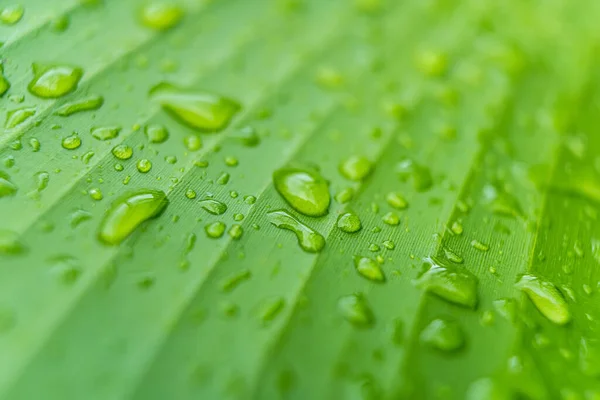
[235, 279]
[42, 179]
[161, 16]
[53, 81]
[66, 268]
[249, 200]
[214, 207]
[223, 179]
[71, 142]
[388, 244]
[105, 132]
[247, 136]
[190, 194]
[444, 335]
[144, 165]
[19, 117]
[89, 103]
[501, 202]
[215, 230]
[456, 285]
[122, 152]
[391, 218]
[356, 168]
[349, 223]
[396, 200]
[304, 190]
[7, 187]
[369, 269]
[96, 194]
[374, 247]
[192, 142]
[452, 256]
[355, 309]
[308, 239]
[79, 216]
[10, 15]
[457, 228]
[156, 133]
[589, 356]
[418, 175]
[432, 63]
[231, 161]
[202, 111]
[130, 211]
[270, 308]
[546, 297]
[35, 145]
[479, 246]
[344, 196]
[236, 231]
[10, 243]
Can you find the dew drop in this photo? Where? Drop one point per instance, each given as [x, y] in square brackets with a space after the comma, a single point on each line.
[42, 179]
[215, 230]
[344, 196]
[106, 132]
[35, 145]
[443, 335]
[89, 103]
[223, 179]
[304, 190]
[79, 216]
[247, 136]
[452, 256]
[128, 212]
[546, 297]
[19, 117]
[190, 194]
[349, 223]
[369, 269]
[270, 308]
[12, 14]
[501, 202]
[214, 207]
[122, 152]
[71, 142]
[455, 285]
[418, 175]
[156, 133]
[355, 309]
[7, 187]
[309, 240]
[192, 142]
[202, 111]
[391, 219]
[396, 200]
[96, 194]
[356, 168]
[236, 231]
[479, 246]
[10, 244]
[235, 279]
[4, 84]
[144, 165]
[161, 16]
[53, 81]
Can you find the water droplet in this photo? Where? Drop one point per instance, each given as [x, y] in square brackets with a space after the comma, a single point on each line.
[487, 389]
[144, 165]
[12, 14]
[161, 16]
[546, 297]
[236, 231]
[199, 110]
[190, 194]
[35, 145]
[215, 230]
[308, 239]
[235, 279]
[4, 84]
[96, 194]
[457, 228]
[247, 136]
[156, 133]
[19, 117]
[42, 179]
[344, 196]
[355, 309]
[396, 200]
[122, 152]
[89, 103]
[369, 269]
[479, 246]
[452, 256]
[589, 356]
[349, 223]
[231, 161]
[417, 174]
[71, 142]
[128, 212]
[270, 308]
[304, 190]
[391, 219]
[374, 247]
[356, 168]
[106, 132]
[507, 308]
[249, 200]
[7, 187]
[66, 268]
[223, 179]
[501, 202]
[53, 81]
[388, 244]
[78, 216]
[10, 243]
[192, 142]
[443, 335]
[214, 207]
[456, 285]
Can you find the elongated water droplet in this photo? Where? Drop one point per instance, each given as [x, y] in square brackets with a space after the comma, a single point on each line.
[452, 256]
[4, 84]
[202, 111]
[396, 200]
[270, 308]
[42, 179]
[215, 230]
[418, 175]
[128, 212]
[456, 285]
[53, 81]
[479, 245]
[7, 187]
[79, 216]
[305, 190]
[12, 14]
[355, 309]
[105, 132]
[308, 239]
[19, 117]
[235, 279]
[10, 243]
[161, 16]
[349, 223]
[356, 168]
[213, 206]
[546, 297]
[443, 335]
[223, 179]
[89, 103]
[156, 133]
[369, 269]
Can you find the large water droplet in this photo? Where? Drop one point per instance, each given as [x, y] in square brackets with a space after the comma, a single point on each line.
[53, 81]
[349, 223]
[456, 285]
[355, 309]
[7, 187]
[305, 190]
[90, 103]
[443, 335]
[308, 239]
[546, 297]
[213, 206]
[161, 16]
[10, 15]
[4, 84]
[128, 212]
[369, 269]
[202, 111]
[418, 175]
[356, 168]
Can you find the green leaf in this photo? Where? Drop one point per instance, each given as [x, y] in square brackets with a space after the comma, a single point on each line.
[299, 199]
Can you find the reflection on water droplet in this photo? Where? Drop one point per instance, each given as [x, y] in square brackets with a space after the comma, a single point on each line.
[308, 239]
[305, 190]
[369, 269]
[161, 16]
[443, 335]
[349, 223]
[213, 206]
[130, 211]
[356, 168]
[453, 284]
[546, 298]
[89, 103]
[355, 309]
[202, 111]
[53, 81]
[144, 165]
[391, 219]
[96, 194]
